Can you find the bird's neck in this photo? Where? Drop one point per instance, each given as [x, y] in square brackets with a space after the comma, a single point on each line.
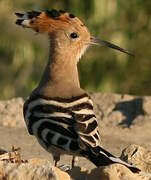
[61, 71]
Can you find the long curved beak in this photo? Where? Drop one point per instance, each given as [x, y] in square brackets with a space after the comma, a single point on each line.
[99, 42]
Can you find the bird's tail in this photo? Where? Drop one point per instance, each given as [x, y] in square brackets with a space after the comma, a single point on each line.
[101, 157]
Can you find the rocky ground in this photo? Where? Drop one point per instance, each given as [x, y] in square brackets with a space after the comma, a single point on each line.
[124, 120]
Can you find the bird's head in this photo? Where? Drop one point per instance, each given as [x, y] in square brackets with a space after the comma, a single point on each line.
[65, 30]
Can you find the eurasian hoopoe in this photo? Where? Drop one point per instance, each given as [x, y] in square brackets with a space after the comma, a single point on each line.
[58, 112]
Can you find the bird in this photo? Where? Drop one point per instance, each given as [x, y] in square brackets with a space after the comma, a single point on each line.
[58, 112]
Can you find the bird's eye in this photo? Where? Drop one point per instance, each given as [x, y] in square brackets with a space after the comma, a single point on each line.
[73, 35]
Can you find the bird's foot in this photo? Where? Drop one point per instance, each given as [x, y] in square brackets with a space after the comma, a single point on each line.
[64, 167]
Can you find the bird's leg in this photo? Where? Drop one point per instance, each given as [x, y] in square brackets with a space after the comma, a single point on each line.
[73, 164]
[56, 160]
[74, 161]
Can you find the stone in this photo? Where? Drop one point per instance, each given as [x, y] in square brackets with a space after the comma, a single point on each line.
[119, 110]
[115, 118]
[114, 172]
[138, 156]
[34, 169]
[12, 167]
[146, 105]
[11, 113]
[111, 172]
[78, 173]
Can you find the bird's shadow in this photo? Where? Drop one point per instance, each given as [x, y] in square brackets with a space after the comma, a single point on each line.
[130, 109]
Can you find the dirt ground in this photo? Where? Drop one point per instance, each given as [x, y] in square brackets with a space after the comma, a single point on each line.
[123, 120]
[113, 139]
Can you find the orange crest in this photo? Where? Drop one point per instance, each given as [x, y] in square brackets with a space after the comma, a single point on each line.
[48, 21]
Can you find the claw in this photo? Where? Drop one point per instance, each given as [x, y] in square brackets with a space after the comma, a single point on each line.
[64, 167]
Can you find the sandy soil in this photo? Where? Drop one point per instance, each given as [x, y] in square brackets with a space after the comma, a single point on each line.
[123, 120]
[113, 139]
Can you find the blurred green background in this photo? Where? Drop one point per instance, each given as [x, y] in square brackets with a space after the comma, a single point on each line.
[23, 54]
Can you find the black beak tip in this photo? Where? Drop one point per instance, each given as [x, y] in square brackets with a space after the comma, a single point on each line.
[131, 54]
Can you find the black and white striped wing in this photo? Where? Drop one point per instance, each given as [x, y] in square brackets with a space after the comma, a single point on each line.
[86, 123]
[62, 122]
[51, 121]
